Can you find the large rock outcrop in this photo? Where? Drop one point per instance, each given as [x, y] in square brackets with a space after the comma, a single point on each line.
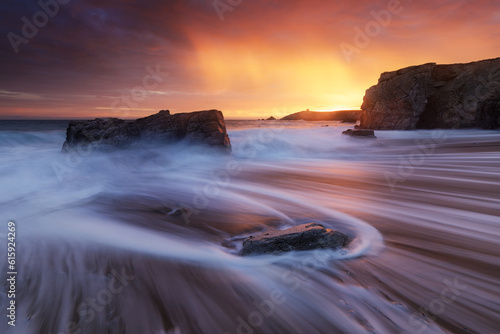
[433, 96]
[299, 238]
[104, 134]
[341, 115]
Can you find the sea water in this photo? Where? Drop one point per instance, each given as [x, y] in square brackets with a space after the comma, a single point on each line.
[146, 240]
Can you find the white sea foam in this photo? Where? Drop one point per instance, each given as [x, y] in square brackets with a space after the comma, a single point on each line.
[434, 228]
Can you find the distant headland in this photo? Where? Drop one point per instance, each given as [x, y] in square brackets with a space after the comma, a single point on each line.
[348, 116]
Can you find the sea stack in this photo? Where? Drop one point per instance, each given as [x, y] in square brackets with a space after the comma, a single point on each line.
[105, 134]
[434, 96]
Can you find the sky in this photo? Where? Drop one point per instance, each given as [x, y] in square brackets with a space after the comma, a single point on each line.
[250, 59]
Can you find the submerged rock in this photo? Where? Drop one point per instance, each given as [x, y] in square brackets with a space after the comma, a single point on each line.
[433, 96]
[360, 133]
[104, 134]
[299, 238]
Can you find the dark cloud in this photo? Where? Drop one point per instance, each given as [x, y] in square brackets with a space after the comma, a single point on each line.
[93, 50]
[90, 41]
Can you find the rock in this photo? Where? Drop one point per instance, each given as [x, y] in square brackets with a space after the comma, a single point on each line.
[341, 115]
[271, 118]
[360, 133]
[298, 238]
[433, 96]
[176, 212]
[104, 134]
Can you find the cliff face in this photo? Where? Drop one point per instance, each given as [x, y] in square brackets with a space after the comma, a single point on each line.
[433, 96]
[104, 134]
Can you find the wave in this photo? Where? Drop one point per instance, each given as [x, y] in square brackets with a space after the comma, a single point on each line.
[167, 224]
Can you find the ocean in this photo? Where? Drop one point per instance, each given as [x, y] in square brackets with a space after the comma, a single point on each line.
[146, 240]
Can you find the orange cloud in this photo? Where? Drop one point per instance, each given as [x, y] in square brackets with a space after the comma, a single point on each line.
[266, 57]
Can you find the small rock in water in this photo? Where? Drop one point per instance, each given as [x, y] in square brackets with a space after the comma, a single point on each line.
[299, 238]
[362, 133]
[176, 212]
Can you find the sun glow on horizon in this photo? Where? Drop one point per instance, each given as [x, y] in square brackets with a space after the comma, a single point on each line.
[265, 58]
[252, 72]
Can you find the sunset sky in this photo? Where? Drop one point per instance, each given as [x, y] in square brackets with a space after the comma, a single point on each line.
[93, 58]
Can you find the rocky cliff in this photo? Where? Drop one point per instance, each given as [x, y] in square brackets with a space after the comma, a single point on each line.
[433, 96]
[104, 134]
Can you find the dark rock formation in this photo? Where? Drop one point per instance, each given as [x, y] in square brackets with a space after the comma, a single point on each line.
[341, 115]
[104, 134]
[272, 118]
[360, 133]
[298, 238]
[433, 96]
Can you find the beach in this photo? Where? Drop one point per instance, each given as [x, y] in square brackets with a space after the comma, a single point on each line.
[146, 239]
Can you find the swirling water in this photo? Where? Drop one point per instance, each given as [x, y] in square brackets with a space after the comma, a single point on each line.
[145, 240]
